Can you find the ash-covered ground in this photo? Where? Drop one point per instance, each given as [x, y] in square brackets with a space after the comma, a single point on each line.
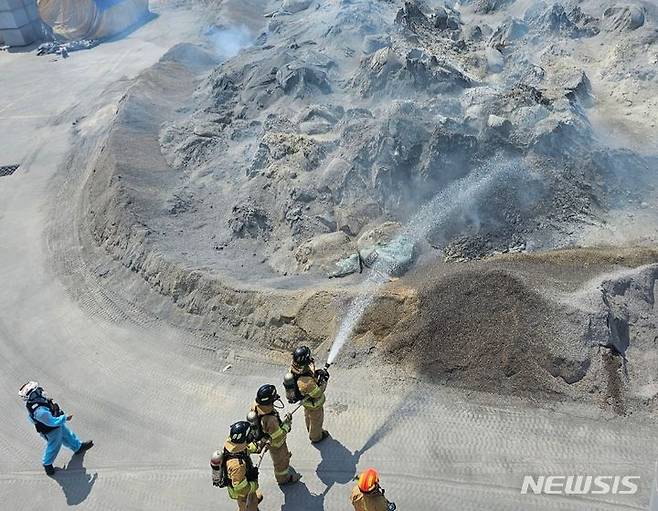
[235, 177]
[344, 115]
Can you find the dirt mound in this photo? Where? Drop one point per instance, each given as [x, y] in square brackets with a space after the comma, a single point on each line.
[497, 327]
[488, 330]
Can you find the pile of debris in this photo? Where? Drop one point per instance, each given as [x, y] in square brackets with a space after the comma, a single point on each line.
[63, 48]
[356, 113]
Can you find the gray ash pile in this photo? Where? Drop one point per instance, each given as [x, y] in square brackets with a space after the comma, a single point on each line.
[345, 115]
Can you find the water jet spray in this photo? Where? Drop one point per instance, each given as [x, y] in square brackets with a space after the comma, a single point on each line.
[434, 215]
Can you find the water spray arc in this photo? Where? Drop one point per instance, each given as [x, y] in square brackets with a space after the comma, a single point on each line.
[433, 216]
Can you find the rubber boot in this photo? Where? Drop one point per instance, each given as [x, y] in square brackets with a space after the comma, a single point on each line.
[50, 470]
[325, 435]
[85, 446]
[293, 478]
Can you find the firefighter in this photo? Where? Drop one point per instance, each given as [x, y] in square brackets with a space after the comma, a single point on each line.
[268, 429]
[367, 495]
[307, 384]
[50, 422]
[233, 468]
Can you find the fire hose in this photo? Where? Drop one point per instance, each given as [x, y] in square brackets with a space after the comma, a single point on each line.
[262, 454]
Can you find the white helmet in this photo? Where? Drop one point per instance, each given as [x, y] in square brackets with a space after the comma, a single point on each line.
[27, 389]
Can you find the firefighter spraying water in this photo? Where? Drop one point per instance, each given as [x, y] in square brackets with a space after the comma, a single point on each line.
[265, 430]
[306, 385]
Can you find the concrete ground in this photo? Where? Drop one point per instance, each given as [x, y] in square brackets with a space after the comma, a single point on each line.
[157, 407]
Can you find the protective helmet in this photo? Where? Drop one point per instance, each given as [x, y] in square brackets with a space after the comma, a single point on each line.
[27, 389]
[240, 432]
[368, 480]
[302, 356]
[266, 395]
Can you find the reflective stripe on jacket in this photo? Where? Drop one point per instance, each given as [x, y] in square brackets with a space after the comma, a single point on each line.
[312, 392]
[278, 437]
[239, 490]
[271, 424]
[236, 468]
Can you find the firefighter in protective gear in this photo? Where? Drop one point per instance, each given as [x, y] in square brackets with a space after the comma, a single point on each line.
[310, 386]
[273, 431]
[50, 422]
[242, 474]
[367, 495]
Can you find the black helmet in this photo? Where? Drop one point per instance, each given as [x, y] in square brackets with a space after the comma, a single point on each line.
[266, 395]
[302, 356]
[240, 432]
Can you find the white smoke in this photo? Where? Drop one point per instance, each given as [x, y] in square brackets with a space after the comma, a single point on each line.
[228, 41]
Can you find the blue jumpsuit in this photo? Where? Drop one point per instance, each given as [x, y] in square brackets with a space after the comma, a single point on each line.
[56, 437]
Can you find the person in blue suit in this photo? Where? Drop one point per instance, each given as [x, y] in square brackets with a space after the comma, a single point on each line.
[50, 422]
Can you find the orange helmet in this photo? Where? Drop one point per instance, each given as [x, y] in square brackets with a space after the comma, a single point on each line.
[368, 480]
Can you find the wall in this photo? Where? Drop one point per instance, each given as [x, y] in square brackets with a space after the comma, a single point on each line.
[20, 24]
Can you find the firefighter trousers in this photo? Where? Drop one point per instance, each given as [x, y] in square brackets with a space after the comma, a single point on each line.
[314, 420]
[281, 461]
[250, 502]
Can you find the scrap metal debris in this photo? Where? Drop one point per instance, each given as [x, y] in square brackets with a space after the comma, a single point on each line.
[8, 170]
[64, 48]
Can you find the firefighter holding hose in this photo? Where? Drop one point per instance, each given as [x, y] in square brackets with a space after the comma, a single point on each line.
[307, 384]
[270, 431]
[233, 469]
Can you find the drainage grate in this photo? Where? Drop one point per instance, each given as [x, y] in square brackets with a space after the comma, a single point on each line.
[8, 170]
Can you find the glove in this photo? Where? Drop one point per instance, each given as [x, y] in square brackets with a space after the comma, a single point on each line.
[254, 448]
[286, 425]
[252, 476]
[322, 375]
[57, 411]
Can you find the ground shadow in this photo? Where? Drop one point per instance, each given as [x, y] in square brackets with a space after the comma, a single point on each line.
[338, 463]
[24, 49]
[75, 481]
[144, 20]
[298, 496]
[405, 410]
